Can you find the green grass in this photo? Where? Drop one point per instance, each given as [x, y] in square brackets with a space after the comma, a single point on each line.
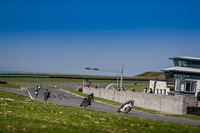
[58, 80]
[21, 114]
[12, 86]
[138, 88]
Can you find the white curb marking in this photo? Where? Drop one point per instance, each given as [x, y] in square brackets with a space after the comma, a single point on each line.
[29, 93]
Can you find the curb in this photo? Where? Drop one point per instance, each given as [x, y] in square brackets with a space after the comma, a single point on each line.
[29, 94]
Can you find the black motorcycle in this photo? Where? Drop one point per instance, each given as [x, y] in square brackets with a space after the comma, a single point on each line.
[46, 96]
[85, 102]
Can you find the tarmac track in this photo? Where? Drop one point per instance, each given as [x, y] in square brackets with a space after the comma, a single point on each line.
[62, 97]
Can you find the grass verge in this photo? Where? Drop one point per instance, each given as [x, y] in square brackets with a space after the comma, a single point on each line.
[21, 114]
[12, 86]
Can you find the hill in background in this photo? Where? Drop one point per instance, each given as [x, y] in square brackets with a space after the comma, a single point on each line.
[151, 75]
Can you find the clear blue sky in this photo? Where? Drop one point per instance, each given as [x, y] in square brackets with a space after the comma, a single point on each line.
[63, 36]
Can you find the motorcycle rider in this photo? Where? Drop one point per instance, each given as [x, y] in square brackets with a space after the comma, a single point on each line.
[39, 87]
[130, 101]
[47, 93]
[88, 99]
[91, 97]
[36, 92]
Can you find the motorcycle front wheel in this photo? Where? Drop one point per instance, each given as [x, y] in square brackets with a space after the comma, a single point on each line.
[118, 110]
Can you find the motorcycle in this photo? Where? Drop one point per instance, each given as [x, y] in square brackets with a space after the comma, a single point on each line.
[85, 102]
[36, 93]
[46, 96]
[126, 108]
[39, 87]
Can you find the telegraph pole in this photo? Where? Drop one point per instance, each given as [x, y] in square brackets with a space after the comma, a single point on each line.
[118, 71]
[121, 76]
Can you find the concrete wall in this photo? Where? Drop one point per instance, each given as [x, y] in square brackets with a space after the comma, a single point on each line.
[164, 103]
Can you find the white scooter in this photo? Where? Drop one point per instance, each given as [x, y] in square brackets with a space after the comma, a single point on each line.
[126, 108]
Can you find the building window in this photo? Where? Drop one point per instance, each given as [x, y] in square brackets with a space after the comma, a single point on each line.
[164, 91]
[193, 86]
[182, 86]
[187, 86]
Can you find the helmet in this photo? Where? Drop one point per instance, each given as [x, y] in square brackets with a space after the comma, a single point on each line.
[133, 101]
[92, 94]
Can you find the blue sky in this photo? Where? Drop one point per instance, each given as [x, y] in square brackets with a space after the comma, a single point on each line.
[65, 36]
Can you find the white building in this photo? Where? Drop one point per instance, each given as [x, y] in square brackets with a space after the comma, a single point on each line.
[160, 88]
[182, 79]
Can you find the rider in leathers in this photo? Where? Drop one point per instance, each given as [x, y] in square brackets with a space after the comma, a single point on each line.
[91, 97]
[130, 101]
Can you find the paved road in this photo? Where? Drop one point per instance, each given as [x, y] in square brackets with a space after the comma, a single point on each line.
[65, 98]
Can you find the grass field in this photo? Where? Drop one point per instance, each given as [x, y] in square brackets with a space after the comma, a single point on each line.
[21, 114]
[12, 86]
[138, 88]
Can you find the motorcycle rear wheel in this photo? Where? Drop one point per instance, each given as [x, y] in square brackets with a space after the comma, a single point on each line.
[127, 110]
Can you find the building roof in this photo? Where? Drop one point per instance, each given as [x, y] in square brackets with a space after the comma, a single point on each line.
[182, 69]
[186, 58]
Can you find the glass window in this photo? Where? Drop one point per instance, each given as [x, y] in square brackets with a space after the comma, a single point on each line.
[182, 87]
[193, 86]
[187, 85]
[164, 91]
[175, 62]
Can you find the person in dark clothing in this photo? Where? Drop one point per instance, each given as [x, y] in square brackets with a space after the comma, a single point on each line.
[198, 99]
[91, 97]
[133, 90]
[47, 93]
[198, 96]
[145, 90]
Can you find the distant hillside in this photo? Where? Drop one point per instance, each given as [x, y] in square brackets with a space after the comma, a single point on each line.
[151, 75]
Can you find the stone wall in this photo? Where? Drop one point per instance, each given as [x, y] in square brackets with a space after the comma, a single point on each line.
[191, 101]
[164, 103]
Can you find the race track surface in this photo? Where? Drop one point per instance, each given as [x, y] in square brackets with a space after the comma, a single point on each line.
[62, 97]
